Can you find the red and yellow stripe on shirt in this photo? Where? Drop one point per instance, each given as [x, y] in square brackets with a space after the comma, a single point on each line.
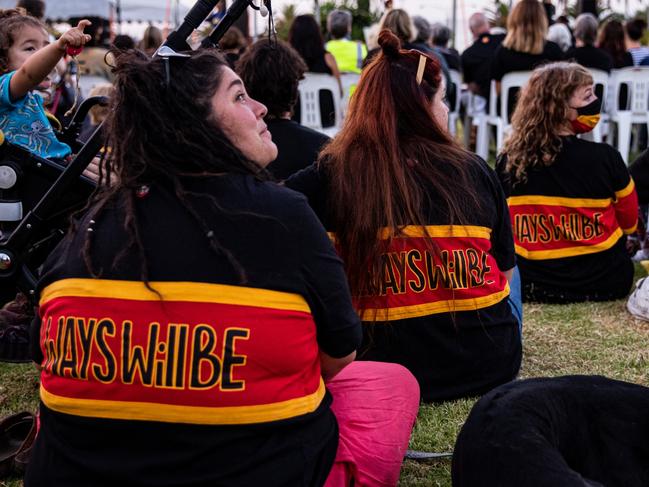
[193, 353]
[549, 227]
[453, 271]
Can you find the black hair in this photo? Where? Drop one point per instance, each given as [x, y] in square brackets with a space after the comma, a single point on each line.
[271, 72]
[162, 129]
[635, 29]
[123, 42]
[35, 8]
[306, 38]
[611, 39]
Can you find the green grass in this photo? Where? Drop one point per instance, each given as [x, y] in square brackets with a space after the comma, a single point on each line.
[588, 338]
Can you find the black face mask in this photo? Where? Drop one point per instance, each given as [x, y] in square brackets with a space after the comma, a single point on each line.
[587, 117]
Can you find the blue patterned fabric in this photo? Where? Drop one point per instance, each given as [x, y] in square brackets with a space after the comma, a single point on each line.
[24, 123]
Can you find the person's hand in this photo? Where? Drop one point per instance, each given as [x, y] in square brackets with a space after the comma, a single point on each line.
[92, 170]
[75, 36]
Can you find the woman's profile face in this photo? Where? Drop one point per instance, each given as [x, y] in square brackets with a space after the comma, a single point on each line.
[581, 97]
[242, 120]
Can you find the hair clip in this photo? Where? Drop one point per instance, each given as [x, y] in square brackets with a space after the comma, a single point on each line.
[165, 52]
[421, 68]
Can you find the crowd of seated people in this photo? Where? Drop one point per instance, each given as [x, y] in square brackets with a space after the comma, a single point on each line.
[317, 278]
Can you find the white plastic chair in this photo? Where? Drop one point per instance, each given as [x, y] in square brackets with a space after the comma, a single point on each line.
[349, 82]
[475, 109]
[513, 80]
[454, 112]
[637, 107]
[310, 110]
[600, 79]
[480, 120]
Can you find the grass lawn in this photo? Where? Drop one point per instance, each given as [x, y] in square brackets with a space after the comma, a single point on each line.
[589, 338]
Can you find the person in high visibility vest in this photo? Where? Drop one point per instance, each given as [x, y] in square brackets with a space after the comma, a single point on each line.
[349, 54]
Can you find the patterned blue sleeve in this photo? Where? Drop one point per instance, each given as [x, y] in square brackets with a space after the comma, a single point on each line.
[5, 99]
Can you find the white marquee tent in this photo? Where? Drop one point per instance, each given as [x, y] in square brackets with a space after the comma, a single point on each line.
[131, 10]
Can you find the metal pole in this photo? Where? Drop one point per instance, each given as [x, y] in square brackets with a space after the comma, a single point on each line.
[118, 11]
[176, 15]
[454, 23]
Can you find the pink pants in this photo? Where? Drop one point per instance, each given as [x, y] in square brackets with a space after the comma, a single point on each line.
[376, 406]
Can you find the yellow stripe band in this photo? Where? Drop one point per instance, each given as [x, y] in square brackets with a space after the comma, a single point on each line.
[570, 251]
[559, 201]
[193, 292]
[447, 306]
[626, 191]
[443, 231]
[167, 413]
[629, 231]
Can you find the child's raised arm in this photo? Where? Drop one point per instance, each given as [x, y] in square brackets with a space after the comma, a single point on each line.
[36, 68]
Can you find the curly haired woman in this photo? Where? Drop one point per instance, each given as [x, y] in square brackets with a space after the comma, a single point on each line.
[571, 201]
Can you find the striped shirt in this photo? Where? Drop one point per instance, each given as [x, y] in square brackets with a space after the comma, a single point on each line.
[638, 54]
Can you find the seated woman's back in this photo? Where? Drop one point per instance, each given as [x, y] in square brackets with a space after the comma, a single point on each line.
[306, 38]
[182, 312]
[525, 46]
[585, 52]
[423, 229]
[507, 60]
[571, 201]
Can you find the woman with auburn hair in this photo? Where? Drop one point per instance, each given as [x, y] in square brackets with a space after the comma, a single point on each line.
[423, 229]
[571, 201]
[525, 45]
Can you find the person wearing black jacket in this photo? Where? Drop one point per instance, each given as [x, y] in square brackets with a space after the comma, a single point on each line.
[476, 59]
[585, 52]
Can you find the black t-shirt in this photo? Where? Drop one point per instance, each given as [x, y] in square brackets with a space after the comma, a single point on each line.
[506, 60]
[621, 59]
[573, 431]
[209, 382]
[443, 314]
[625, 62]
[297, 146]
[640, 172]
[452, 58]
[591, 57]
[476, 61]
[318, 64]
[569, 223]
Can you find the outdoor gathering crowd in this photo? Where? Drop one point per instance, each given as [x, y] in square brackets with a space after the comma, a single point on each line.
[245, 301]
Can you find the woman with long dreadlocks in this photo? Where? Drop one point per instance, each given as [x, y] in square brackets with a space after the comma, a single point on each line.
[195, 320]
